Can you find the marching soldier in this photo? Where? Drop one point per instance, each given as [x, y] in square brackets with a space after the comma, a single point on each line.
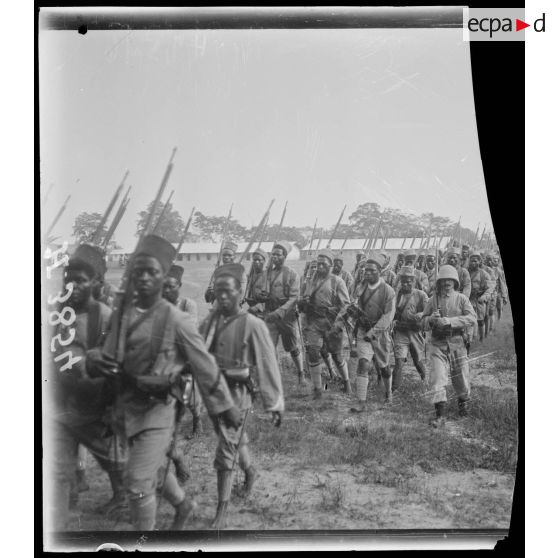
[359, 259]
[453, 256]
[243, 349]
[256, 283]
[279, 297]
[465, 255]
[158, 340]
[80, 409]
[448, 314]
[192, 397]
[171, 292]
[387, 274]
[430, 271]
[501, 286]
[227, 256]
[421, 281]
[482, 287]
[399, 262]
[324, 297]
[374, 311]
[340, 272]
[407, 328]
[491, 307]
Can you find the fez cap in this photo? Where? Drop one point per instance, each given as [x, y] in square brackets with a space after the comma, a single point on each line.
[235, 270]
[89, 258]
[430, 253]
[176, 271]
[259, 252]
[409, 253]
[475, 253]
[326, 254]
[284, 245]
[159, 248]
[373, 260]
[453, 251]
[407, 271]
[230, 245]
[465, 247]
[338, 256]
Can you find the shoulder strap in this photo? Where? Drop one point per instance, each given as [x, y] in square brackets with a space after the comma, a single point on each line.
[159, 330]
[93, 324]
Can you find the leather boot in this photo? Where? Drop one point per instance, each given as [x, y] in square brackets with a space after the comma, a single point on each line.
[119, 500]
[440, 419]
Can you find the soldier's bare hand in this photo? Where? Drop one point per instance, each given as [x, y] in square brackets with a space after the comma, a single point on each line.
[232, 418]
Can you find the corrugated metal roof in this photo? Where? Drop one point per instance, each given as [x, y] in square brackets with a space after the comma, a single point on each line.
[391, 244]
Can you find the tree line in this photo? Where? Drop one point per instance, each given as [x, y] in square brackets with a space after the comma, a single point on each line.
[209, 228]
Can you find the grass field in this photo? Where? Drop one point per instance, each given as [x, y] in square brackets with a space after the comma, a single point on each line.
[327, 469]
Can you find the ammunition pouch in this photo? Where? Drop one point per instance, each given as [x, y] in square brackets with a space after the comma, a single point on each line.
[159, 387]
[236, 377]
[364, 323]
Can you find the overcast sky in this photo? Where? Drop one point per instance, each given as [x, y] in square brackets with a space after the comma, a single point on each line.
[320, 118]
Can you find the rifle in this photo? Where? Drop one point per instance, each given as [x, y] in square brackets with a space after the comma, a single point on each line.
[345, 240]
[223, 240]
[372, 244]
[328, 245]
[263, 233]
[320, 239]
[482, 235]
[302, 343]
[454, 234]
[185, 232]
[162, 214]
[115, 222]
[112, 347]
[56, 218]
[278, 231]
[99, 230]
[256, 233]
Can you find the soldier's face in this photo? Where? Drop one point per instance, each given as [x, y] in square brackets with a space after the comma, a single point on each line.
[147, 276]
[371, 273]
[277, 257]
[227, 256]
[227, 294]
[171, 289]
[82, 285]
[258, 263]
[430, 262]
[465, 253]
[452, 260]
[407, 284]
[447, 285]
[323, 266]
[337, 266]
[409, 260]
[474, 262]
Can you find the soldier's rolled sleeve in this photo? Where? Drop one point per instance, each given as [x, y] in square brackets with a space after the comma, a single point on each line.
[212, 384]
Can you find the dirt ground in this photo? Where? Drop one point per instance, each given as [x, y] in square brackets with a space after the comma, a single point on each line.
[326, 468]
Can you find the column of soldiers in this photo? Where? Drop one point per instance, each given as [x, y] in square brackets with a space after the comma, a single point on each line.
[125, 409]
